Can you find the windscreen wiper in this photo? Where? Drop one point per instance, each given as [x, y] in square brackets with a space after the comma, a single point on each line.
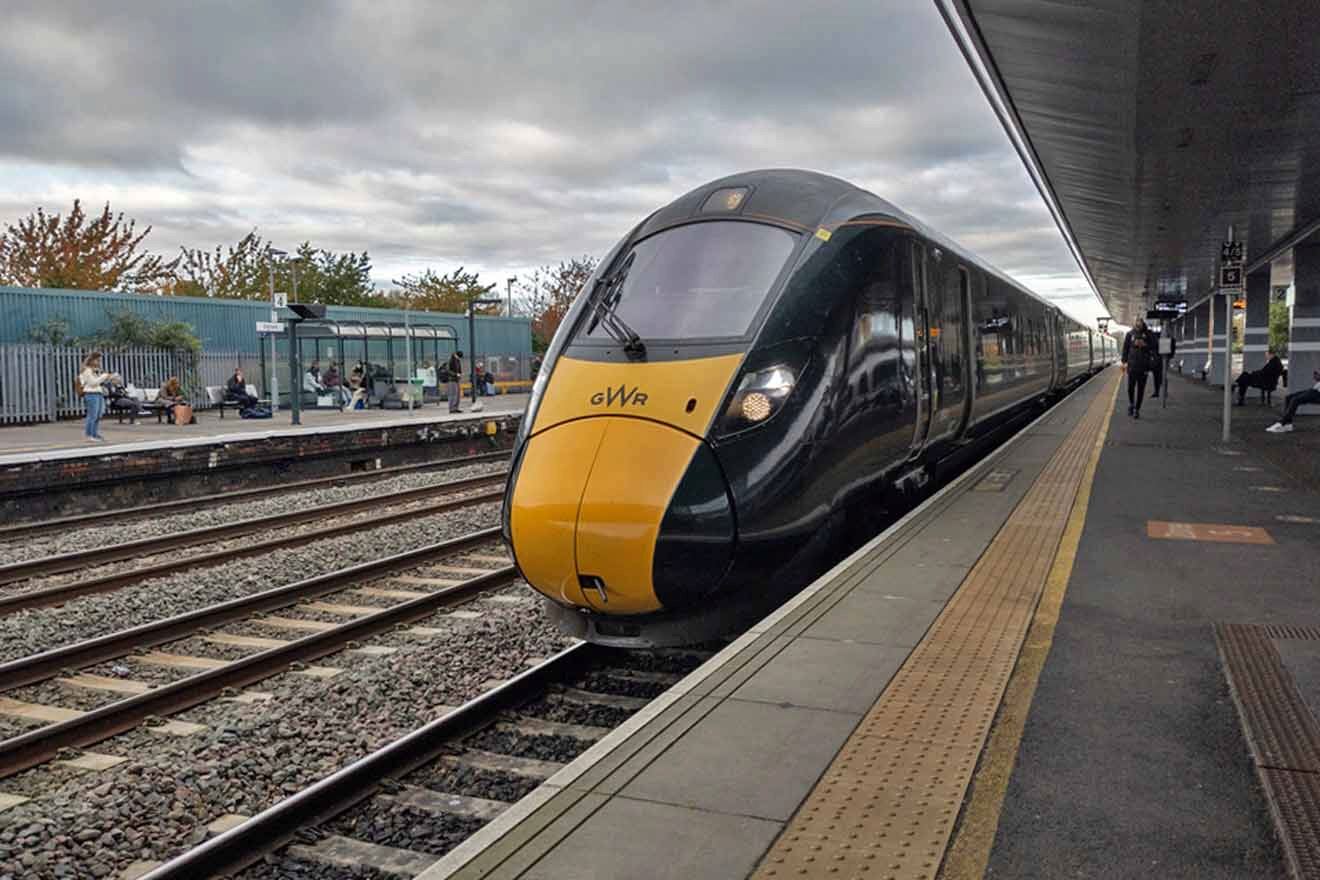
[604, 314]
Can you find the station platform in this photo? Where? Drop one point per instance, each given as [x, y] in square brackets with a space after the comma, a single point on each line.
[1064, 664]
[49, 470]
[64, 439]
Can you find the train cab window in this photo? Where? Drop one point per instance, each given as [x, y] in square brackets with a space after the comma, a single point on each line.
[702, 280]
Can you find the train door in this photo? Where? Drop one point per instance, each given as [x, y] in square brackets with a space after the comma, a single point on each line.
[924, 390]
[946, 299]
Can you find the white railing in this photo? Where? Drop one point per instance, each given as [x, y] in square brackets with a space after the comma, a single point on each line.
[37, 381]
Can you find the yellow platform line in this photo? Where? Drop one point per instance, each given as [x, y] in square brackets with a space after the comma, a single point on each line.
[887, 804]
[969, 855]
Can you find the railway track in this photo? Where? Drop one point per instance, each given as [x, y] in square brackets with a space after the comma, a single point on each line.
[54, 595]
[447, 778]
[449, 585]
[23, 531]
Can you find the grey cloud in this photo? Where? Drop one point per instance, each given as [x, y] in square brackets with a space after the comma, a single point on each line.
[501, 135]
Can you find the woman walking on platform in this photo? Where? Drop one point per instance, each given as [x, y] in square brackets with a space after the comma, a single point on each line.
[1138, 351]
[91, 383]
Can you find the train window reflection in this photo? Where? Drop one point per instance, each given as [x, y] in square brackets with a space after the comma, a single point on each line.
[703, 280]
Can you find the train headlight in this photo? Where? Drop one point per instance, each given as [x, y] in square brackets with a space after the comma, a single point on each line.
[759, 396]
[756, 407]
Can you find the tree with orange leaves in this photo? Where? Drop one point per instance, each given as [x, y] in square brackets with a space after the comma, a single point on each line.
[80, 253]
[547, 294]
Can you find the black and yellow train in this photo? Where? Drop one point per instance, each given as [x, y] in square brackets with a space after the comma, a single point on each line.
[754, 367]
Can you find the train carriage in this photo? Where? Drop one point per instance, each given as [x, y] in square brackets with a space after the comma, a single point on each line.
[752, 370]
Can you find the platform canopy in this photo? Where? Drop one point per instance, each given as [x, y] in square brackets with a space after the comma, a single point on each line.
[1150, 127]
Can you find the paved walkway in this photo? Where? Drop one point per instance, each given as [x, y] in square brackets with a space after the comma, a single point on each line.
[67, 435]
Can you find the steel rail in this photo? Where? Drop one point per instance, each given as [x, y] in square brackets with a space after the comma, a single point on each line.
[106, 583]
[209, 534]
[40, 745]
[270, 829]
[37, 667]
[83, 520]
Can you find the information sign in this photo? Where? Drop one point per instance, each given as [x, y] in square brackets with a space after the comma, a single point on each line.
[270, 327]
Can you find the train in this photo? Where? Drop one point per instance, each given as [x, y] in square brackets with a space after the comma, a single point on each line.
[754, 370]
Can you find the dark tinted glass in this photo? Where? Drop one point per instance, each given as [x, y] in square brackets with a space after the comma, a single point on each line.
[702, 280]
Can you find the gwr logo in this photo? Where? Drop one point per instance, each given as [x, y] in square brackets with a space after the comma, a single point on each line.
[623, 396]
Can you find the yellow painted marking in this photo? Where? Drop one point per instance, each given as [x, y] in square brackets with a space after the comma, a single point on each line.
[36, 711]
[970, 854]
[891, 796]
[823, 234]
[105, 683]
[582, 388]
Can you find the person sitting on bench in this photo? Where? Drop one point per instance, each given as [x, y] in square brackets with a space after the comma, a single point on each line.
[170, 396]
[236, 390]
[1293, 402]
[1266, 378]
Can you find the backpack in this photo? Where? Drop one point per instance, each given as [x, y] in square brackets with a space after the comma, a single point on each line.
[77, 388]
[254, 412]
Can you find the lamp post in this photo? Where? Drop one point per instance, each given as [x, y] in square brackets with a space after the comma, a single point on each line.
[472, 338]
[509, 286]
[274, 389]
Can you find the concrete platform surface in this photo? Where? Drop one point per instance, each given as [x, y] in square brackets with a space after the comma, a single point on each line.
[1125, 758]
[706, 778]
[64, 439]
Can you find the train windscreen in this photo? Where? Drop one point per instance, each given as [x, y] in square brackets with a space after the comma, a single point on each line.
[699, 281]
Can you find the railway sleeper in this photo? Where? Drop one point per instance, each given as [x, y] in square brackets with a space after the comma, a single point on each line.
[346, 852]
[428, 800]
[491, 762]
[580, 697]
[525, 725]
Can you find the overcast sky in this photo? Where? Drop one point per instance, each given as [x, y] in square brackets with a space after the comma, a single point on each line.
[497, 135]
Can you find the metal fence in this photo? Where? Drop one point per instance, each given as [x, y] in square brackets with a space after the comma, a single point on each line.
[37, 382]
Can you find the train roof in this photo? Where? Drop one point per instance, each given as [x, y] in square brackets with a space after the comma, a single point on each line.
[809, 200]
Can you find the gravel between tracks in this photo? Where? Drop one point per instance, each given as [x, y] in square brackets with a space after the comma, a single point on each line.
[41, 629]
[137, 528]
[158, 802]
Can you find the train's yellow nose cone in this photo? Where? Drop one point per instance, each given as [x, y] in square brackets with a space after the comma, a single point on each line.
[587, 507]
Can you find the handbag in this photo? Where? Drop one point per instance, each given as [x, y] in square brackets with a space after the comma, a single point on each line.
[183, 414]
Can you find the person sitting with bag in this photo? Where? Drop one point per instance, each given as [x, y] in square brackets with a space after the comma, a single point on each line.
[236, 390]
[177, 409]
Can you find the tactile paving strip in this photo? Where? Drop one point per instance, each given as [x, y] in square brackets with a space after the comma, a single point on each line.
[886, 806]
[1279, 727]
[1282, 733]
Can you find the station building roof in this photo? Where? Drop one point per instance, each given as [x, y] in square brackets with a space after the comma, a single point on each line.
[1150, 127]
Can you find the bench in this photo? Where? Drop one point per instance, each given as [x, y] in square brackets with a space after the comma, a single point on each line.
[216, 394]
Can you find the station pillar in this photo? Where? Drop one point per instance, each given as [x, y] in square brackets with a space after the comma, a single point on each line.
[1256, 328]
[1304, 335]
[1199, 337]
[1219, 340]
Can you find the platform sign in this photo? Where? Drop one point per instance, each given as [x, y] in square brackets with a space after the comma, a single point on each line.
[270, 327]
[1231, 255]
[281, 301]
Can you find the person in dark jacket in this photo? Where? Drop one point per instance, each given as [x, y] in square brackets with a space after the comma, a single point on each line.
[1138, 352]
[236, 390]
[1266, 378]
[454, 391]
